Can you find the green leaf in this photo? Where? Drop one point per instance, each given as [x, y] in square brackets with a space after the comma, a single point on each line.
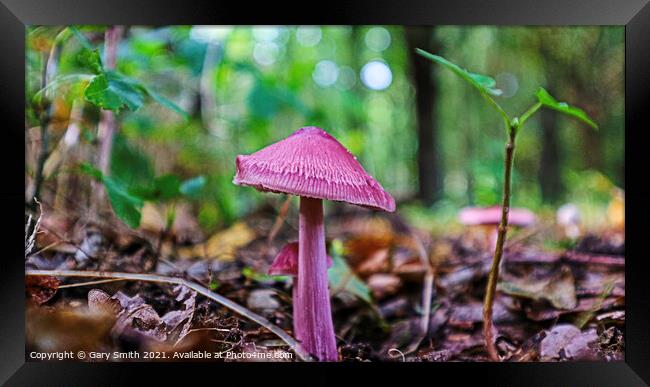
[113, 91]
[91, 171]
[130, 164]
[167, 187]
[262, 277]
[126, 206]
[193, 187]
[341, 277]
[547, 100]
[92, 60]
[482, 82]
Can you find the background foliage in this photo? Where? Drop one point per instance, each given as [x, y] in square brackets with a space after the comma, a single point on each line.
[188, 99]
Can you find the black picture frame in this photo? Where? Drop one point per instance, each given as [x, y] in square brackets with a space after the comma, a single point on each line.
[633, 14]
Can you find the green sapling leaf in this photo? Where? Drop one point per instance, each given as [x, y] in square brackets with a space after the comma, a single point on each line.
[484, 83]
[548, 101]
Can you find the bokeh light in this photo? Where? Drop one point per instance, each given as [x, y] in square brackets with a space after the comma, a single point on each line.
[209, 34]
[376, 75]
[325, 73]
[266, 34]
[347, 78]
[266, 53]
[377, 39]
[308, 36]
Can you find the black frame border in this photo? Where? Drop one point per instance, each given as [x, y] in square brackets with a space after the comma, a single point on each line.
[633, 14]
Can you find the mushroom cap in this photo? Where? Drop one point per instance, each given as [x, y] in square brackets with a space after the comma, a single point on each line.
[313, 164]
[286, 262]
[472, 216]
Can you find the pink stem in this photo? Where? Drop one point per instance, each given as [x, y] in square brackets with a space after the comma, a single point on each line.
[312, 312]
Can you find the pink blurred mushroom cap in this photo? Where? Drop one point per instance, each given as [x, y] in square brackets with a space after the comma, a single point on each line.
[286, 262]
[473, 216]
[312, 163]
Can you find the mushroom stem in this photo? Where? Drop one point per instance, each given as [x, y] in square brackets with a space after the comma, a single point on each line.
[312, 312]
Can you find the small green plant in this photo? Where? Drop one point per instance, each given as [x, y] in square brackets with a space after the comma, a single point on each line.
[128, 198]
[486, 86]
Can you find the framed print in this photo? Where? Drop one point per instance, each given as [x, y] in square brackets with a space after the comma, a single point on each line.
[355, 190]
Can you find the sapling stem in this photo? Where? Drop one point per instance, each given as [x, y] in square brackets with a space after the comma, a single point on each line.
[486, 87]
[488, 330]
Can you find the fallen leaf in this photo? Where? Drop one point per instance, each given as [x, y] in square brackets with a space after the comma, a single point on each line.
[179, 322]
[567, 342]
[101, 302]
[377, 262]
[139, 321]
[41, 289]
[360, 248]
[539, 312]
[65, 328]
[222, 245]
[466, 315]
[558, 289]
[342, 278]
[383, 285]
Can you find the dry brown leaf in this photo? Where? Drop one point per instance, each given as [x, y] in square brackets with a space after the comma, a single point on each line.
[41, 289]
[64, 328]
[377, 262]
[383, 285]
[222, 245]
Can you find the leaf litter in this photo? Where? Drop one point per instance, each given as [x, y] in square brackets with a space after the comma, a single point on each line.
[549, 307]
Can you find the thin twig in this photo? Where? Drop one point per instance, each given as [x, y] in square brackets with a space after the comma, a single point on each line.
[90, 283]
[291, 342]
[427, 293]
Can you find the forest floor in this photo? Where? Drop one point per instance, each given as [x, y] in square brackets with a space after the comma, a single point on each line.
[398, 294]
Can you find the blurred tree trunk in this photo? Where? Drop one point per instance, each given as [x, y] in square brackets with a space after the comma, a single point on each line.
[429, 167]
[107, 125]
[549, 176]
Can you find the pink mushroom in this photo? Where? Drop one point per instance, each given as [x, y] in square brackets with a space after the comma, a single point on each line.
[490, 217]
[315, 166]
[286, 263]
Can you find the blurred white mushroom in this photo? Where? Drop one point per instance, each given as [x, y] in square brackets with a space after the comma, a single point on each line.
[569, 220]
